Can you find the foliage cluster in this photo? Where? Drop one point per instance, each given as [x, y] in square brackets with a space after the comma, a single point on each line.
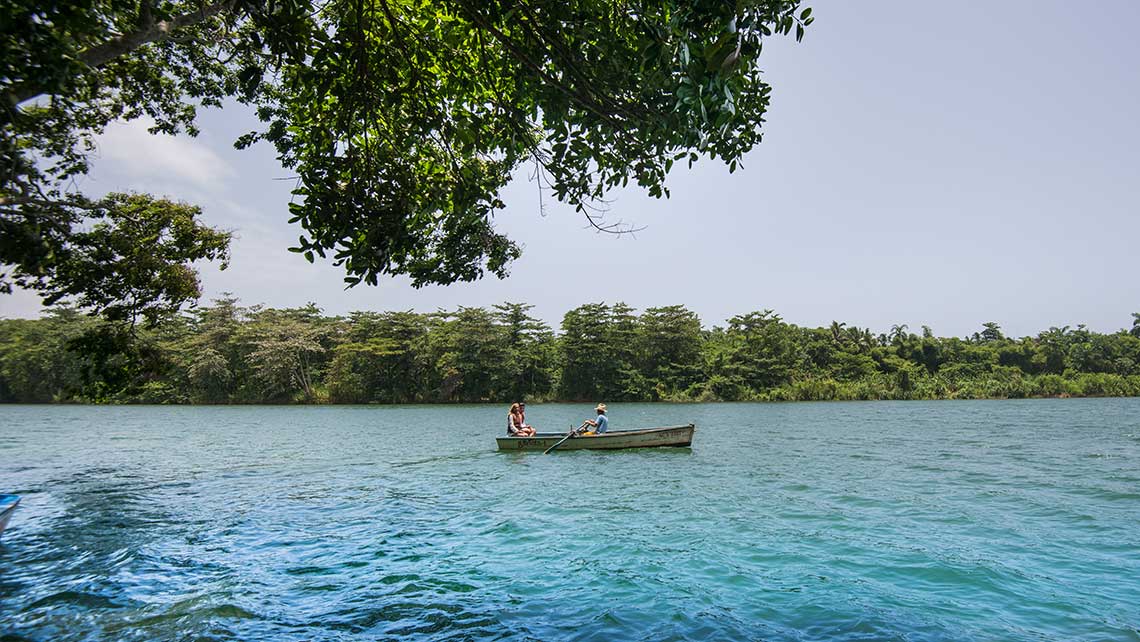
[401, 120]
[227, 353]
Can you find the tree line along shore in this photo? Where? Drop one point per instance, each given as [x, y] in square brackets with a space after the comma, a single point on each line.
[227, 353]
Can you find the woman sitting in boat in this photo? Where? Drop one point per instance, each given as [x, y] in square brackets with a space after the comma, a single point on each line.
[516, 422]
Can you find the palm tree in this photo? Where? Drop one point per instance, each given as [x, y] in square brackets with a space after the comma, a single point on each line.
[898, 333]
[837, 331]
[867, 338]
[860, 338]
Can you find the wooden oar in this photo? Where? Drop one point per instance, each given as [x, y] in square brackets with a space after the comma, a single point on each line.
[559, 442]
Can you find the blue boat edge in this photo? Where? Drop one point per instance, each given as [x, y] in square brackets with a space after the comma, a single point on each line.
[8, 504]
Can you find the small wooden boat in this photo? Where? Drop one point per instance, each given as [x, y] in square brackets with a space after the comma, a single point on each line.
[8, 505]
[676, 436]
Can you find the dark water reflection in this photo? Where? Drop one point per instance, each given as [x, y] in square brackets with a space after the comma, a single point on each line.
[909, 521]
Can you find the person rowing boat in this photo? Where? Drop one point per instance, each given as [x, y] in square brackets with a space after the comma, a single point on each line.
[601, 424]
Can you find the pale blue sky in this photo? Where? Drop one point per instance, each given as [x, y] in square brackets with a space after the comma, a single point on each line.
[943, 164]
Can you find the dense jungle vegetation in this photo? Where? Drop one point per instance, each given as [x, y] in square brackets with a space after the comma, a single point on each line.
[227, 353]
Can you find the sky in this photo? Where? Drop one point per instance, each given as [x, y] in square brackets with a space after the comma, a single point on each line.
[940, 164]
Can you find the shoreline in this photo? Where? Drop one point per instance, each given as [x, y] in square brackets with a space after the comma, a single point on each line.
[683, 402]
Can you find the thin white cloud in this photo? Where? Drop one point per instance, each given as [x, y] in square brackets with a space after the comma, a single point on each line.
[171, 159]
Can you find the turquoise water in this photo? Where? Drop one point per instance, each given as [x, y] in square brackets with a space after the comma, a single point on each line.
[989, 520]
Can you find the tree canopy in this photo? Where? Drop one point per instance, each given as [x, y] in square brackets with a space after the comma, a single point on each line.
[402, 120]
[227, 353]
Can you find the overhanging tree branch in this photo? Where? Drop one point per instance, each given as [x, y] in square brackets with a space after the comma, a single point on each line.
[150, 31]
[584, 100]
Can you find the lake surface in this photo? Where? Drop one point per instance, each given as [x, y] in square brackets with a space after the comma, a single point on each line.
[980, 520]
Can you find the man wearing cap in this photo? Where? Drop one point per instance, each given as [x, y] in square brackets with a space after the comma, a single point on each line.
[601, 424]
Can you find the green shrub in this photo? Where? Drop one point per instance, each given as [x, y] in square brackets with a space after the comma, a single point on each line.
[1051, 385]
